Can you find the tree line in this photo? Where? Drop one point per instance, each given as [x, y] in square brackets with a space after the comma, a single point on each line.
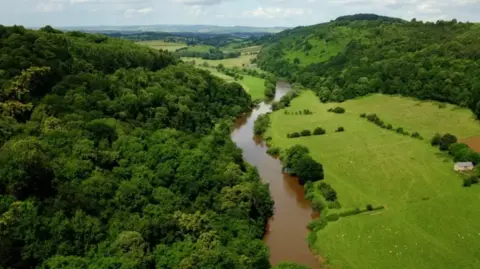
[115, 155]
[435, 61]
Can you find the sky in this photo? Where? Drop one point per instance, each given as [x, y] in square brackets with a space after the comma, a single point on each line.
[60, 13]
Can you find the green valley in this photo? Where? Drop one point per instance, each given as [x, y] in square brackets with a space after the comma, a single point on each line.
[429, 219]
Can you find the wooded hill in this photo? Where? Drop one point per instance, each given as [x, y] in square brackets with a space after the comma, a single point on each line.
[365, 53]
[113, 155]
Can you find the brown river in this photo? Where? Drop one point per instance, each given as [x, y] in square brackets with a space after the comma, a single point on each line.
[287, 230]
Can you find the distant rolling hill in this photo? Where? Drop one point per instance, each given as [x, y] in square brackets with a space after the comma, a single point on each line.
[365, 53]
[212, 29]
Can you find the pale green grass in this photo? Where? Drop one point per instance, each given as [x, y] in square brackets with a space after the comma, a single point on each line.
[242, 61]
[430, 220]
[199, 48]
[253, 85]
[322, 49]
[160, 44]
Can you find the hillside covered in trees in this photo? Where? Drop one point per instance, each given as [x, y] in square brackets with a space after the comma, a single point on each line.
[114, 155]
[365, 53]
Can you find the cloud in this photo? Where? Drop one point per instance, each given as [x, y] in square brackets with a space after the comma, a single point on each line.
[49, 6]
[131, 12]
[273, 12]
[199, 2]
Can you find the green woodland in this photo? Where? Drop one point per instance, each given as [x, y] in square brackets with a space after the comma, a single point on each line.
[115, 155]
[356, 55]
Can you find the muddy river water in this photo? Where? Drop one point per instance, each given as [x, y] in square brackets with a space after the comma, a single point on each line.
[287, 229]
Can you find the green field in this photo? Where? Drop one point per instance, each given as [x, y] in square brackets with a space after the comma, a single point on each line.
[199, 48]
[242, 61]
[429, 220]
[253, 85]
[160, 44]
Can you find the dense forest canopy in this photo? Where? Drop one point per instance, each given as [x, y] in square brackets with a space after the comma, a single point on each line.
[114, 155]
[362, 54]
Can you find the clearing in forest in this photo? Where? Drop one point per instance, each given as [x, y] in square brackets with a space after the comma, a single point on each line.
[242, 61]
[253, 85]
[430, 220]
[160, 44]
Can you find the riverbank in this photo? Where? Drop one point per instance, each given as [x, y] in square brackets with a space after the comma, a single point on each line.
[287, 231]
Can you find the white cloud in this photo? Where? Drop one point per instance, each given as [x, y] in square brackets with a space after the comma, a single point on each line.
[131, 12]
[273, 12]
[79, 1]
[199, 2]
[49, 6]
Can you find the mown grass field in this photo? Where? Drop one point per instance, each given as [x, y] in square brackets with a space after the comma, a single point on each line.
[242, 61]
[253, 85]
[160, 44]
[430, 220]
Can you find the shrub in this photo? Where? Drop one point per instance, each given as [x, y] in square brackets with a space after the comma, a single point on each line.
[306, 133]
[369, 207]
[340, 129]
[317, 224]
[446, 141]
[363, 115]
[389, 127]
[436, 139]
[328, 192]
[400, 130]
[355, 211]
[415, 135]
[338, 110]
[467, 182]
[319, 131]
[474, 180]
[261, 124]
[293, 135]
[307, 169]
[273, 151]
[334, 205]
[317, 205]
[333, 217]
[372, 117]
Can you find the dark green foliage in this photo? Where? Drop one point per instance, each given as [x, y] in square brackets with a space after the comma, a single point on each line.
[340, 129]
[328, 192]
[333, 217]
[319, 131]
[446, 141]
[436, 139]
[400, 130]
[306, 133]
[369, 207]
[463, 153]
[429, 61]
[467, 182]
[270, 86]
[389, 127]
[294, 135]
[273, 151]
[261, 124]
[119, 157]
[317, 224]
[363, 115]
[297, 162]
[338, 110]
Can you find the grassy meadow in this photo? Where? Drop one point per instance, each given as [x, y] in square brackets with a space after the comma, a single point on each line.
[429, 220]
[253, 85]
[242, 61]
[160, 44]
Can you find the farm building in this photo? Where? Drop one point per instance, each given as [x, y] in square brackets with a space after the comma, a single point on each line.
[463, 166]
